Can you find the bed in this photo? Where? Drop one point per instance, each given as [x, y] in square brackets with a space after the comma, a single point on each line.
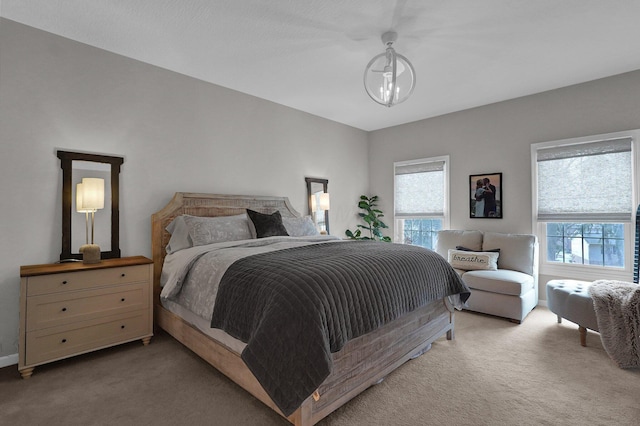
[361, 362]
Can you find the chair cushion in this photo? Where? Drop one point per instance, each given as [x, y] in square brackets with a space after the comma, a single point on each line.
[517, 251]
[502, 281]
[449, 239]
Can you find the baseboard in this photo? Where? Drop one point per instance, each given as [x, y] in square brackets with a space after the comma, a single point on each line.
[8, 360]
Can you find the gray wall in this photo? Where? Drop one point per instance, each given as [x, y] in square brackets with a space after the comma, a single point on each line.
[175, 133]
[498, 138]
[181, 134]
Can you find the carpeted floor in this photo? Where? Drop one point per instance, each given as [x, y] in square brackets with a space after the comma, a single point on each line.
[494, 373]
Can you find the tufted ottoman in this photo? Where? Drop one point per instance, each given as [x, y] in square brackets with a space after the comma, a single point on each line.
[570, 299]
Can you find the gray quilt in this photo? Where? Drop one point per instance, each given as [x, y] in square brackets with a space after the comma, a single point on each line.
[295, 307]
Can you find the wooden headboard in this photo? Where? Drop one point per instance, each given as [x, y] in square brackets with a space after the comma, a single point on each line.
[208, 205]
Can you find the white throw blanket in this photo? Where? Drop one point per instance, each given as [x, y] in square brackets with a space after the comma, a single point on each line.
[617, 306]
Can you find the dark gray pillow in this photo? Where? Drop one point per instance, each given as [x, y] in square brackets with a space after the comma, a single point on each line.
[486, 251]
[267, 225]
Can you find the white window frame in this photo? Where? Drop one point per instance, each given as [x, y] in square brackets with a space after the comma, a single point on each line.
[579, 271]
[398, 234]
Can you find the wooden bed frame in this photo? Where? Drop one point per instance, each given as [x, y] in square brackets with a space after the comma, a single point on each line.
[363, 361]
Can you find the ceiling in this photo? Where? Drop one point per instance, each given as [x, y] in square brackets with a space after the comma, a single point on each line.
[310, 54]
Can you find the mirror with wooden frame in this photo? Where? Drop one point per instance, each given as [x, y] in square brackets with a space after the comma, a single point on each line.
[315, 187]
[76, 166]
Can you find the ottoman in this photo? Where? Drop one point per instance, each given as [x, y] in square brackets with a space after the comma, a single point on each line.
[570, 299]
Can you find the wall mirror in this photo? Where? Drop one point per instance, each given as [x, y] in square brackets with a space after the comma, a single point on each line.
[75, 166]
[319, 213]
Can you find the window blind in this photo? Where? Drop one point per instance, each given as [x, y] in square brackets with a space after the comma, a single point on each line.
[419, 189]
[586, 182]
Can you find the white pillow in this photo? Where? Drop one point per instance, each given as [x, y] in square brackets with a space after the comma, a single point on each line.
[180, 238]
[209, 230]
[473, 260]
[299, 226]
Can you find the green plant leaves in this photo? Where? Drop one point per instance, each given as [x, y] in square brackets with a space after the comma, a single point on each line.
[371, 217]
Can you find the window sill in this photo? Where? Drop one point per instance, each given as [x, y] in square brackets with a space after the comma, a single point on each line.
[586, 273]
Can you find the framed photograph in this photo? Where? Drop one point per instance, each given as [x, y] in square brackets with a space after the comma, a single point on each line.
[486, 196]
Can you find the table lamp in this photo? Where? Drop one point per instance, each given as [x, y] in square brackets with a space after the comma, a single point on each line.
[89, 199]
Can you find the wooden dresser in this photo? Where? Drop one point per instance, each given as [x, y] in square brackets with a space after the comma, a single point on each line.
[68, 309]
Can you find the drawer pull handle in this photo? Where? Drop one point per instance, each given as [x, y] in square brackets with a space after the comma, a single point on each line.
[64, 309]
[122, 300]
[64, 340]
[123, 275]
[122, 327]
[64, 282]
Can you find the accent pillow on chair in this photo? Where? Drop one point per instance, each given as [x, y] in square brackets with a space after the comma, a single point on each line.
[473, 260]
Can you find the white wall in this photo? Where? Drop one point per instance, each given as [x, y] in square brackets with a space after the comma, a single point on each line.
[498, 138]
[175, 133]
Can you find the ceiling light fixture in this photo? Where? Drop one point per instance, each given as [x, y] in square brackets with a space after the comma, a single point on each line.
[389, 77]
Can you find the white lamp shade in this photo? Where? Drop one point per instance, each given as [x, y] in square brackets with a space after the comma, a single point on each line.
[90, 195]
[320, 201]
[79, 203]
[324, 202]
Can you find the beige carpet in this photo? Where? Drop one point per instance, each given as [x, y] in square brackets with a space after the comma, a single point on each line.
[494, 373]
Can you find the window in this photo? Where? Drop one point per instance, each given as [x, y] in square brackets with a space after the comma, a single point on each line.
[600, 244]
[421, 200]
[584, 197]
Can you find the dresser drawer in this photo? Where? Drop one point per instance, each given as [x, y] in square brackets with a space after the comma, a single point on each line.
[50, 310]
[59, 342]
[81, 280]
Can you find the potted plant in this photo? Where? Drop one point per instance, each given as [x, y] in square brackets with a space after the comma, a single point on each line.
[373, 224]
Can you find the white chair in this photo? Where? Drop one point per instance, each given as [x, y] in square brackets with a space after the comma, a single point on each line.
[511, 291]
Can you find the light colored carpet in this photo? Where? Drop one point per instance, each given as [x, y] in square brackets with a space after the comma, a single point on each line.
[494, 373]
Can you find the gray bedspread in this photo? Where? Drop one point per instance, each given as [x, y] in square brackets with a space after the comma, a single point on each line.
[295, 307]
